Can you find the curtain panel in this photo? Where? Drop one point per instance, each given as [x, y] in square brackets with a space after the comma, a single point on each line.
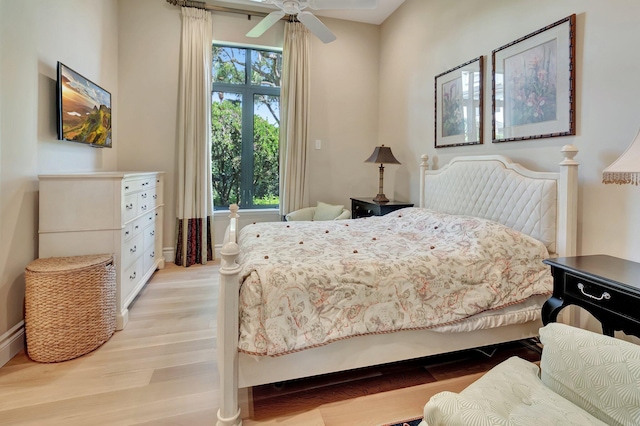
[194, 203]
[294, 134]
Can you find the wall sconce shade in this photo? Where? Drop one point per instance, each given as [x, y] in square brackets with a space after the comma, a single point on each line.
[381, 155]
[625, 169]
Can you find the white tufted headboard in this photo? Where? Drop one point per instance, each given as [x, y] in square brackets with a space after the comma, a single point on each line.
[540, 204]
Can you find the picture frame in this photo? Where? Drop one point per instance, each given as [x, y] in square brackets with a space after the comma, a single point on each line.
[459, 105]
[533, 84]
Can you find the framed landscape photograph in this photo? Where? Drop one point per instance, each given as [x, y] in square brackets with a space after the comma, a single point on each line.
[533, 85]
[458, 105]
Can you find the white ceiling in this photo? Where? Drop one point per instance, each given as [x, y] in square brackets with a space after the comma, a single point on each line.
[370, 16]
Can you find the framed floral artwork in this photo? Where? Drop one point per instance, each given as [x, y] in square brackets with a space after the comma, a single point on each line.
[533, 85]
[458, 105]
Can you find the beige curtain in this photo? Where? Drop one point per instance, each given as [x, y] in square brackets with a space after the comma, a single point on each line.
[294, 134]
[194, 204]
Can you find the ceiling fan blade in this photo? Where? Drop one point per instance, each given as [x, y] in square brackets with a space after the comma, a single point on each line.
[316, 27]
[266, 23]
[343, 4]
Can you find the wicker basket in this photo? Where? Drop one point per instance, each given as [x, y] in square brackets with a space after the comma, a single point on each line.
[70, 306]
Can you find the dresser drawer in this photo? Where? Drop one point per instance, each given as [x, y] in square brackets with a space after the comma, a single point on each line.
[361, 210]
[146, 200]
[132, 249]
[130, 277]
[149, 258]
[130, 186]
[130, 207]
[592, 293]
[149, 236]
[127, 231]
[143, 221]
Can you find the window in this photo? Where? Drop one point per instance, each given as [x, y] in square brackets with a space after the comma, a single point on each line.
[245, 122]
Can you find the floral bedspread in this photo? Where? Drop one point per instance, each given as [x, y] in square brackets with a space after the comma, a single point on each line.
[306, 284]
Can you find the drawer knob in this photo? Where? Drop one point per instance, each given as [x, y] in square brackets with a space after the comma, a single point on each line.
[132, 276]
[604, 295]
[133, 249]
[129, 206]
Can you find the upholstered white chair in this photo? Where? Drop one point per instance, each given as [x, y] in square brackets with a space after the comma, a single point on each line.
[584, 378]
[322, 211]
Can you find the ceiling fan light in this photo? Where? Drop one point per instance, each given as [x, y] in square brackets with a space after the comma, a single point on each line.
[291, 7]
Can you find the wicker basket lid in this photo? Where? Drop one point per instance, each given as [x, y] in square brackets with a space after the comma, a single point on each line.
[59, 264]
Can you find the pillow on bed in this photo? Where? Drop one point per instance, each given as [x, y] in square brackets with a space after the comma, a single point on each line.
[327, 211]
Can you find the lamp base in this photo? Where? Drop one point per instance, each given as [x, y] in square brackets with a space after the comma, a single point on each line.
[380, 198]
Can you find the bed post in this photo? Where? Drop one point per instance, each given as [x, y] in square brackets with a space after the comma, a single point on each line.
[568, 203]
[229, 411]
[424, 166]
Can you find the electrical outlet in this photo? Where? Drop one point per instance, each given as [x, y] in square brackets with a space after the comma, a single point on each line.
[318, 144]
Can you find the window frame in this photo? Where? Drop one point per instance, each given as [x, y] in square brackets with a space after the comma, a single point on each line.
[247, 91]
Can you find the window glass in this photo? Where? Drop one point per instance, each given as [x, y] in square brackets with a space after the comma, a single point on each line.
[265, 69]
[266, 129]
[229, 65]
[226, 134]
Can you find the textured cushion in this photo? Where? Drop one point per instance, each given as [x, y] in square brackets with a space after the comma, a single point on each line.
[327, 211]
[599, 373]
[491, 191]
[509, 394]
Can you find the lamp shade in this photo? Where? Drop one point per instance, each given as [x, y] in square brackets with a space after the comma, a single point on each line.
[382, 155]
[625, 169]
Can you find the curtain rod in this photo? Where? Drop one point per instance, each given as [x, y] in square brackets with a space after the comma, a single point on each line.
[205, 6]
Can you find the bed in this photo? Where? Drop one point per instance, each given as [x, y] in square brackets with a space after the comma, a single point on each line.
[486, 191]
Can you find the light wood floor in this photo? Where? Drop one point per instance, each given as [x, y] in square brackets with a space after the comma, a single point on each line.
[161, 370]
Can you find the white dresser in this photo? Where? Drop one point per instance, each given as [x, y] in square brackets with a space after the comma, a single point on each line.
[106, 212]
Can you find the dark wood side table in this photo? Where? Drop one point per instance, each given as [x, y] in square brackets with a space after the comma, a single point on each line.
[606, 286]
[365, 207]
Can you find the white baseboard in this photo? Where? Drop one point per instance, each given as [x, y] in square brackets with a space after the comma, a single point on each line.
[216, 251]
[169, 254]
[11, 343]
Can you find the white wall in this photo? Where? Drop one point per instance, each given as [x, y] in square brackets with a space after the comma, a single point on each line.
[344, 114]
[34, 35]
[148, 53]
[425, 38]
[344, 98]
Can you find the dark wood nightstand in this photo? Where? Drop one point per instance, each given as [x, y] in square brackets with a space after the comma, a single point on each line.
[606, 286]
[365, 207]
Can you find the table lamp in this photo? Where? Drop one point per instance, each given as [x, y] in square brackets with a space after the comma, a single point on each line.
[625, 169]
[381, 155]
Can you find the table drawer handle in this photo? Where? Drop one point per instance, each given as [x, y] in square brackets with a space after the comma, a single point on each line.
[605, 295]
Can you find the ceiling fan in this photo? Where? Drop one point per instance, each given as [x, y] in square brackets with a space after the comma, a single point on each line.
[296, 8]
